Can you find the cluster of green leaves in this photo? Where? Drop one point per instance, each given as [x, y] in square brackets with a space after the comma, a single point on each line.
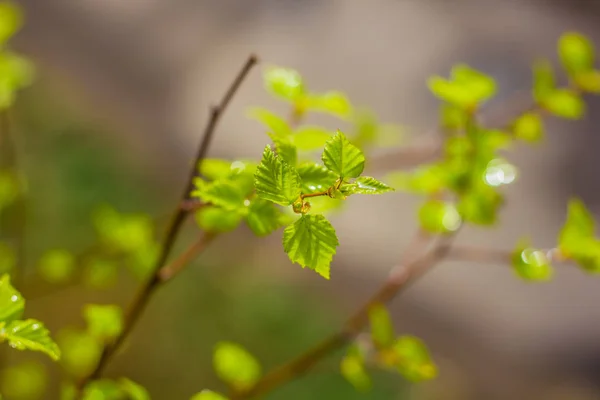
[405, 354]
[107, 389]
[28, 334]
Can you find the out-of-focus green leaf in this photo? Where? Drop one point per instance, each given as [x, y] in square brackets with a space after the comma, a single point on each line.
[365, 185]
[80, 352]
[16, 72]
[214, 168]
[342, 157]
[353, 370]
[133, 390]
[263, 217]
[531, 264]
[480, 205]
[466, 89]
[576, 53]
[25, 381]
[311, 242]
[426, 179]
[284, 82]
[102, 389]
[437, 216]
[382, 330]
[222, 193]
[544, 82]
[315, 177]
[453, 117]
[588, 81]
[218, 220]
[335, 103]
[273, 122]
[12, 304]
[414, 361]
[276, 180]
[208, 395]
[104, 321]
[235, 365]
[29, 334]
[8, 258]
[9, 188]
[122, 231]
[529, 127]
[311, 137]
[11, 20]
[56, 265]
[565, 103]
[99, 273]
[576, 239]
[286, 149]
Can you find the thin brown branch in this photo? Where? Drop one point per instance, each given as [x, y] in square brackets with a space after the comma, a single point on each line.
[167, 272]
[399, 279]
[480, 255]
[141, 301]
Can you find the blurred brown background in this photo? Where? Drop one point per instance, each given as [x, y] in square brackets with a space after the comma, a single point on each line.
[119, 105]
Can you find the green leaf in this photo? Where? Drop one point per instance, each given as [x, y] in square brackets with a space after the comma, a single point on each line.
[11, 20]
[576, 239]
[273, 122]
[12, 304]
[218, 220]
[208, 395]
[284, 82]
[529, 127]
[414, 361]
[426, 179]
[26, 380]
[453, 117]
[100, 273]
[353, 370]
[544, 82]
[365, 185]
[223, 193]
[236, 366]
[467, 88]
[8, 258]
[311, 242]
[588, 81]
[311, 137]
[382, 330]
[104, 322]
[29, 334]
[102, 389]
[263, 217]
[276, 180]
[576, 53]
[57, 266]
[80, 352]
[315, 177]
[480, 205]
[214, 168]
[285, 149]
[342, 157]
[531, 264]
[335, 103]
[9, 188]
[133, 390]
[437, 216]
[565, 103]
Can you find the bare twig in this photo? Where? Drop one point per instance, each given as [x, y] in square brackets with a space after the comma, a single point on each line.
[481, 255]
[167, 272]
[399, 279]
[179, 215]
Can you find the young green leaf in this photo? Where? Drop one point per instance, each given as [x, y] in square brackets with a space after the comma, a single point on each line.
[214, 168]
[11, 20]
[263, 217]
[335, 103]
[285, 149]
[218, 220]
[276, 180]
[437, 216]
[100, 273]
[365, 185]
[342, 157]
[133, 390]
[466, 90]
[588, 81]
[311, 242]
[311, 137]
[236, 366]
[284, 82]
[29, 334]
[576, 53]
[8, 258]
[426, 179]
[57, 266]
[531, 264]
[382, 330]
[315, 177]
[529, 127]
[12, 304]
[453, 117]
[26, 380]
[353, 370]
[102, 389]
[576, 239]
[80, 351]
[480, 205]
[104, 322]
[208, 395]
[273, 122]
[223, 193]
[564, 103]
[414, 361]
[544, 82]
